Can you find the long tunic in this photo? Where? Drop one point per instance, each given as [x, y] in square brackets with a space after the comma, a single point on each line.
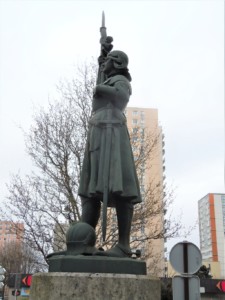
[109, 102]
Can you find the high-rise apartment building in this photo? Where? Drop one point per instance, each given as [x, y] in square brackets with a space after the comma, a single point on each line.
[146, 121]
[211, 210]
[10, 232]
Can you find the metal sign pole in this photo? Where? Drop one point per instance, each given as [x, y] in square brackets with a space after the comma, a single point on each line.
[15, 288]
[186, 259]
[17, 283]
[186, 279]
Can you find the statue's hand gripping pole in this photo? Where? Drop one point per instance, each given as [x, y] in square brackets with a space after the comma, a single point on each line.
[106, 47]
[105, 41]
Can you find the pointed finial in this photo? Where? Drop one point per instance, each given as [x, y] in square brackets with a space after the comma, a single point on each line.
[103, 19]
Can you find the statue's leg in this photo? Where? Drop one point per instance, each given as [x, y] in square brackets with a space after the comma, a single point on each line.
[90, 211]
[124, 210]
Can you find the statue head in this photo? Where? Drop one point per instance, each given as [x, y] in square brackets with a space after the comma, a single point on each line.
[116, 63]
[119, 58]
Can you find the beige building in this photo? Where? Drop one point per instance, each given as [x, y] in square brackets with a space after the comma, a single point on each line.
[11, 232]
[144, 127]
[211, 210]
[214, 267]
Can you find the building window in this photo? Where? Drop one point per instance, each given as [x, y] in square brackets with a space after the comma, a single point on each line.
[134, 121]
[135, 112]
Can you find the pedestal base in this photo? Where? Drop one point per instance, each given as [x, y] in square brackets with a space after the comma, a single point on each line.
[86, 286]
[96, 264]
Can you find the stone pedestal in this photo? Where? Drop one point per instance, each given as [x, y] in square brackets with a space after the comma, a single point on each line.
[89, 286]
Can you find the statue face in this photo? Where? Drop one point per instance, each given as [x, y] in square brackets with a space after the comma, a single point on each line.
[108, 66]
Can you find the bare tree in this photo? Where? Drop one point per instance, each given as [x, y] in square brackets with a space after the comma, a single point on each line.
[47, 199]
[19, 258]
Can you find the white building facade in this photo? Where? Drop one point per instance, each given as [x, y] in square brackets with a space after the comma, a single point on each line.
[211, 210]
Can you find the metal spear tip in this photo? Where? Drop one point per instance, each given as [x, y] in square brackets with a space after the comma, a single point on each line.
[103, 19]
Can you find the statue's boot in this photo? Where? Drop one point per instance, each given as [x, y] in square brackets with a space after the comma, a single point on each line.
[124, 211]
[117, 251]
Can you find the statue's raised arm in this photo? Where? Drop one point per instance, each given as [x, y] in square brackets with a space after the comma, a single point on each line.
[106, 47]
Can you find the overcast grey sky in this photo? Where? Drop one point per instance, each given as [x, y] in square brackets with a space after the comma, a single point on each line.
[176, 51]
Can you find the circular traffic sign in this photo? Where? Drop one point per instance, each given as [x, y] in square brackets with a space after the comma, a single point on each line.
[185, 258]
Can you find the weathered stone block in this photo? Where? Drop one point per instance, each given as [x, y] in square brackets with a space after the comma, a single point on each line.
[87, 286]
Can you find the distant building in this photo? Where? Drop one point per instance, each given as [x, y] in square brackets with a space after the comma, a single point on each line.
[214, 267]
[211, 210]
[11, 232]
[146, 120]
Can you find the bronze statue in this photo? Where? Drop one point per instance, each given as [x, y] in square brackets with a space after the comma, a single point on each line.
[108, 177]
[108, 174]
